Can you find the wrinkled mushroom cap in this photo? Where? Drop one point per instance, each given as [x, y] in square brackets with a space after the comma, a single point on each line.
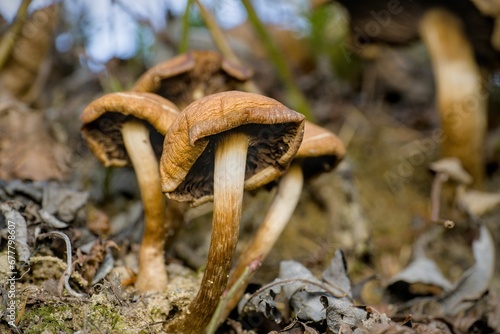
[103, 117]
[187, 162]
[320, 151]
[206, 72]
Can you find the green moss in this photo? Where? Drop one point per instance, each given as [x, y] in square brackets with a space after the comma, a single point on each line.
[58, 318]
[55, 318]
[106, 318]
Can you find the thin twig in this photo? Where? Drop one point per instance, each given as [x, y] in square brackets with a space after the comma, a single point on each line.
[323, 286]
[67, 272]
[215, 321]
[436, 188]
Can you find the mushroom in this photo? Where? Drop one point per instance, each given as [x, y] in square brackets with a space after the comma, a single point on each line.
[192, 75]
[220, 145]
[446, 169]
[460, 42]
[319, 152]
[115, 129]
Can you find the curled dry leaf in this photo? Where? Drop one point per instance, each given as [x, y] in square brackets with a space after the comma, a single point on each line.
[308, 298]
[422, 276]
[27, 190]
[106, 266]
[61, 202]
[94, 264]
[51, 220]
[52, 203]
[336, 274]
[12, 216]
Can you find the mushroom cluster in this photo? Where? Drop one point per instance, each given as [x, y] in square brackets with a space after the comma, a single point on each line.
[218, 142]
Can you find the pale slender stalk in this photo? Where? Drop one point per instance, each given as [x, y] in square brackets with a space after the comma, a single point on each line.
[152, 274]
[461, 99]
[437, 185]
[277, 218]
[229, 178]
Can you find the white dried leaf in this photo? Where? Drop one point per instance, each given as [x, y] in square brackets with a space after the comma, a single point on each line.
[478, 203]
[476, 280]
[21, 230]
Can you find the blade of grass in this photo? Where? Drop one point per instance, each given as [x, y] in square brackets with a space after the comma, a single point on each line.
[184, 43]
[223, 45]
[294, 94]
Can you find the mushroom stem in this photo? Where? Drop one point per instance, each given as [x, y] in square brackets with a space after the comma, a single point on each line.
[275, 221]
[461, 98]
[229, 178]
[152, 274]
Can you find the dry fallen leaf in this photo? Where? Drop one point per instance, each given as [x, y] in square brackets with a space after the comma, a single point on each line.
[422, 276]
[474, 283]
[28, 147]
[478, 203]
[23, 74]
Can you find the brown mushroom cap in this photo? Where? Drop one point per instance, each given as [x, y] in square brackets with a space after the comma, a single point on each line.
[320, 151]
[103, 117]
[187, 162]
[177, 78]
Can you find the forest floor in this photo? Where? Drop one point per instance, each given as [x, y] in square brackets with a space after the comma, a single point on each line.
[375, 207]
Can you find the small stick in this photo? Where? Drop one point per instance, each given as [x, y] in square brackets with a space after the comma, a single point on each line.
[437, 186]
[249, 270]
[67, 273]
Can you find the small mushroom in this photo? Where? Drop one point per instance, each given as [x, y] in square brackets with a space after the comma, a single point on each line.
[446, 169]
[220, 145]
[192, 75]
[115, 129]
[452, 169]
[319, 152]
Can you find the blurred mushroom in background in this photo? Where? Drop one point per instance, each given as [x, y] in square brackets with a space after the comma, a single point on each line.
[190, 76]
[458, 38]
